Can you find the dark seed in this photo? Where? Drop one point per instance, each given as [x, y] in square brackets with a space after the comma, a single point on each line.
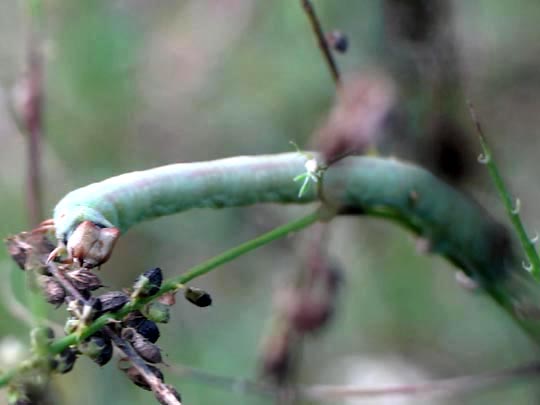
[198, 297]
[145, 327]
[113, 301]
[338, 41]
[65, 361]
[148, 283]
[98, 347]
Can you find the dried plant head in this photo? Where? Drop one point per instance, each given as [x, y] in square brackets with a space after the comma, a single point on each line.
[363, 102]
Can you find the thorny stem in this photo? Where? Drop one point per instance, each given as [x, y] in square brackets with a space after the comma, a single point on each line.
[504, 193]
[308, 7]
[157, 386]
[172, 284]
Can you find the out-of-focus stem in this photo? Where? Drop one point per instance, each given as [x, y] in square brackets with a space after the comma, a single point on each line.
[504, 193]
[308, 7]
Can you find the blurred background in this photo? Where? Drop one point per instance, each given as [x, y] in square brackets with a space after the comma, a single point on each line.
[135, 84]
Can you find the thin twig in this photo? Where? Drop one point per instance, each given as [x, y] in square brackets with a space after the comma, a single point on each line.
[31, 116]
[34, 124]
[309, 9]
[235, 384]
[159, 389]
[447, 386]
[511, 210]
[440, 387]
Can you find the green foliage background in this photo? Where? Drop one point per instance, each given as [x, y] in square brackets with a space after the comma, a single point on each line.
[132, 85]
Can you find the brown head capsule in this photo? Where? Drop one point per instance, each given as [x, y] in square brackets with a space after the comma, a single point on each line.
[91, 245]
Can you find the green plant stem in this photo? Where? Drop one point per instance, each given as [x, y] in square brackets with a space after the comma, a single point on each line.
[174, 283]
[244, 248]
[504, 194]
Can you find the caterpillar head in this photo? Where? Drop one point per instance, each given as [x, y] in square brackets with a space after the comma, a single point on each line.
[91, 245]
[84, 235]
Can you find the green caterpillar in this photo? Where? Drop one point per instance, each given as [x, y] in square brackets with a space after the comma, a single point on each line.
[456, 227]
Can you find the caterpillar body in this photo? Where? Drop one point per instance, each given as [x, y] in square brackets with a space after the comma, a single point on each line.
[456, 227]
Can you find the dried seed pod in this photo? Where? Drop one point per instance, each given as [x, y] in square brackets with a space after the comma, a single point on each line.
[136, 377]
[113, 301]
[52, 290]
[148, 283]
[162, 396]
[64, 362]
[83, 279]
[31, 249]
[198, 297]
[338, 41]
[144, 326]
[147, 350]
[158, 312]
[98, 347]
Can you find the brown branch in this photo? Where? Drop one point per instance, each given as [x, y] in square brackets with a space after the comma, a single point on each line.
[309, 9]
[32, 117]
